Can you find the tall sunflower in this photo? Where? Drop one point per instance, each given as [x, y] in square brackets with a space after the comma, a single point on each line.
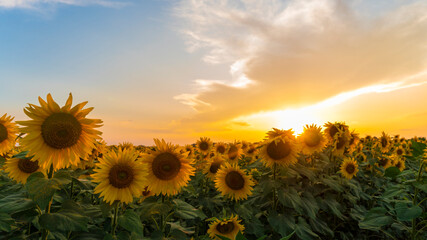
[8, 132]
[280, 150]
[204, 145]
[331, 129]
[340, 143]
[59, 136]
[20, 169]
[234, 152]
[228, 227]
[233, 182]
[168, 170]
[312, 139]
[349, 168]
[121, 176]
[220, 148]
[384, 142]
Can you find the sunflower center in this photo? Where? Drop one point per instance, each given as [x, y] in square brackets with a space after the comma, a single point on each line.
[398, 164]
[312, 139]
[166, 166]
[225, 228]
[3, 133]
[384, 142]
[61, 130]
[350, 169]
[251, 150]
[333, 130]
[214, 167]
[121, 176]
[399, 151]
[234, 180]
[382, 162]
[204, 146]
[28, 166]
[279, 150]
[341, 142]
[146, 192]
[232, 152]
[220, 149]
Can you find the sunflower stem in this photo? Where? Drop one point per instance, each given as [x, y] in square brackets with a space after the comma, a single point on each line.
[114, 223]
[274, 188]
[45, 232]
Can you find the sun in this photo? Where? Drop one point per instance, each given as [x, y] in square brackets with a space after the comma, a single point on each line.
[296, 119]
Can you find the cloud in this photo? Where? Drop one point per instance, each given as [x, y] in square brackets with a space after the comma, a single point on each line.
[288, 54]
[36, 4]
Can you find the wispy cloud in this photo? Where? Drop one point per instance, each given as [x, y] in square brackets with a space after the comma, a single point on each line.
[37, 4]
[288, 54]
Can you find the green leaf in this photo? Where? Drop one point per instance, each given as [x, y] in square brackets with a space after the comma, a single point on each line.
[334, 206]
[131, 222]
[391, 172]
[421, 185]
[240, 236]
[282, 224]
[187, 211]
[303, 230]
[290, 198]
[333, 182]
[177, 226]
[288, 237]
[68, 218]
[309, 204]
[15, 203]
[41, 189]
[405, 213]
[6, 222]
[375, 219]
[62, 177]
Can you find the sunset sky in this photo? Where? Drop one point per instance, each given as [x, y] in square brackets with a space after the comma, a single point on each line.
[225, 69]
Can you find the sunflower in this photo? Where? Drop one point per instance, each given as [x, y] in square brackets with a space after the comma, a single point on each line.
[20, 168]
[384, 162]
[145, 194]
[340, 143]
[8, 132]
[233, 182]
[399, 151]
[384, 142]
[331, 129]
[121, 176]
[349, 168]
[245, 145]
[204, 145]
[220, 148]
[188, 148]
[280, 150]
[59, 136]
[354, 140]
[280, 132]
[226, 228]
[400, 163]
[312, 139]
[126, 145]
[213, 165]
[168, 170]
[252, 150]
[234, 152]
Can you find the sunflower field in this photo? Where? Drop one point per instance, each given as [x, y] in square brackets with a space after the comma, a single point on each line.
[59, 180]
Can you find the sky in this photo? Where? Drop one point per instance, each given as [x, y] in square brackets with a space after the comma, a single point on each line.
[225, 69]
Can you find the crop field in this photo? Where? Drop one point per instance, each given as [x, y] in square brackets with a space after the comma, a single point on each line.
[60, 180]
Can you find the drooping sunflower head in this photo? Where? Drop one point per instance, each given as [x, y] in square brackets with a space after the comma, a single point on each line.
[233, 182]
[204, 145]
[331, 129]
[280, 150]
[8, 132]
[168, 169]
[145, 194]
[120, 176]
[312, 139]
[280, 132]
[220, 148]
[20, 168]
[349, 168]
[213, 165]
[59, 135]
[234, 152]
[354, 140]
[228, 228]
[340, 143]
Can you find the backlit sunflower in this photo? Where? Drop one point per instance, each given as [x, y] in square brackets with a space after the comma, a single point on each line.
[168, 170]
[280, 150]
[339, 144]
[8, 132]
[331, 129]
[399, 151]
[204, 145]
[384, 162]
[59, 136]
[213, 165]
[400, 163]
[20, 168]
[229, 228]
[252, 150]
[280, 132]
[121, 176]
[234, 152]
[125, 145]
[384, 142]
[354, 140]
[312, 140]
[233, 182]
[188, 148]
[349, 168]
[220, 148]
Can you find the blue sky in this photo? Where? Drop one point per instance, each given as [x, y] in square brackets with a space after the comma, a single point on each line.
[226, 69]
